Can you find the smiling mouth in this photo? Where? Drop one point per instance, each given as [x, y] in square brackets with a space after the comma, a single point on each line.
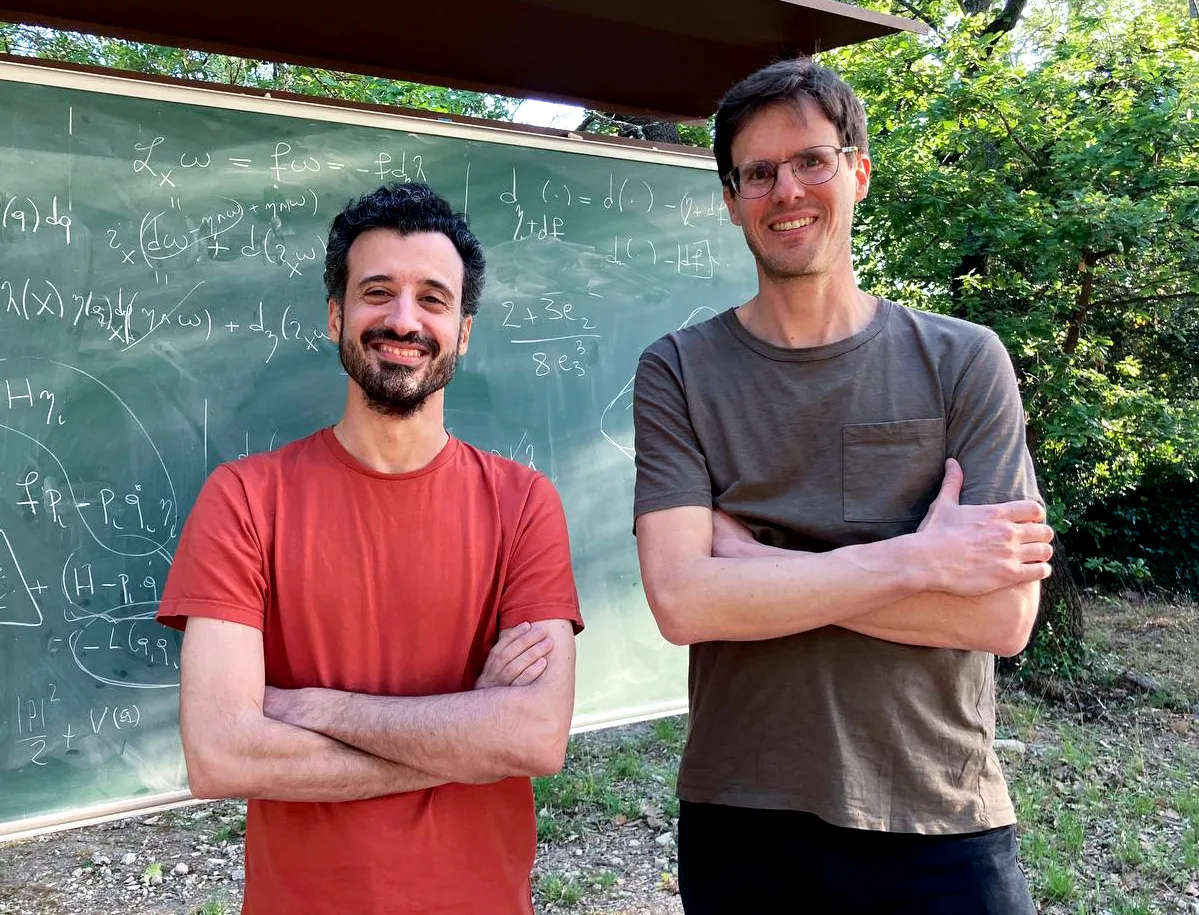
[399, 352]
[792, 224]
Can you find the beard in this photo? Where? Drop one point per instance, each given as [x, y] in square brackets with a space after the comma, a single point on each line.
[396, 390]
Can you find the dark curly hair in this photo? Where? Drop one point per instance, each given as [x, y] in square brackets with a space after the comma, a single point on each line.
[408, 209]
[790, 82]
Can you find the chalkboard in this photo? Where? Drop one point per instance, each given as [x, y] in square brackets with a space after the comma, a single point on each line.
[161, 311]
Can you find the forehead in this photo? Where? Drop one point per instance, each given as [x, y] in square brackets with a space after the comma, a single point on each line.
[417, 257]
[783, 128]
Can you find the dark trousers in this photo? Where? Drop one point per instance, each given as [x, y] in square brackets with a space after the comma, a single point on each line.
[741, 861]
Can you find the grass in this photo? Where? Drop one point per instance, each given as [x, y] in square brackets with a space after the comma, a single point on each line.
[1107, 796]
[610, 778]
[1107, 823]
[605, 782]
[232, 831]
[553, 888]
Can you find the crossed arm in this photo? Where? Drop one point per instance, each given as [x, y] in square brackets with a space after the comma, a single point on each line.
[969, 578]
[244, 739]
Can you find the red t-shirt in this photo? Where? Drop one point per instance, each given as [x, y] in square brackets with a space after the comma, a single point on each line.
[392, 585]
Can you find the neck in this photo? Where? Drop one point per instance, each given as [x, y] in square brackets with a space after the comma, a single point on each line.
[805, 311]
[389, 444]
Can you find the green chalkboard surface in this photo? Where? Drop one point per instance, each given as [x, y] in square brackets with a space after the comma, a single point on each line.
[161, 311]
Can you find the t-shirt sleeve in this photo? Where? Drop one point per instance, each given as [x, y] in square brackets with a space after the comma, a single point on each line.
[985, 430]
[671, 468]
[219, 570]
[539, 582]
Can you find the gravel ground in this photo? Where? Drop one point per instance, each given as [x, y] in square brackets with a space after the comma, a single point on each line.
[190, 860]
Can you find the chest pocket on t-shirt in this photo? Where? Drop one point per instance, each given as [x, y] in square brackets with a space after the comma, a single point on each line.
[891, 471]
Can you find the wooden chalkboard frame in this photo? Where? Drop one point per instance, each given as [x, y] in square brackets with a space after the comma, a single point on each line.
[331, 111]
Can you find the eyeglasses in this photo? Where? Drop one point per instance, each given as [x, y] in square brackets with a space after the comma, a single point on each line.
[810, 167]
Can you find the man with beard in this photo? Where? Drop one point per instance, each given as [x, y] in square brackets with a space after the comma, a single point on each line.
[380, 619]
[835, 508]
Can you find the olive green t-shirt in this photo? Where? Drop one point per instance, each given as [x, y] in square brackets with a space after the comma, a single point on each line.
[815, 449]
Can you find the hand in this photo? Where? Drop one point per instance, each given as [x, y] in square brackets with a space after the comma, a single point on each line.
[730, 538]
[518, 657]
[282, 704]
[971, 550]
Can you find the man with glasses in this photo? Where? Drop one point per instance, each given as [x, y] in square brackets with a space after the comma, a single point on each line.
[837, 512]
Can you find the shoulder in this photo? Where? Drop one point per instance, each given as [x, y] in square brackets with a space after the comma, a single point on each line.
[260, 472]
[677, 344]
[949, 346]
[943, 330]
[504, 475]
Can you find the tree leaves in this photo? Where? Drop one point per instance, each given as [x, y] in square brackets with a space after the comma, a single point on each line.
[1043, 182]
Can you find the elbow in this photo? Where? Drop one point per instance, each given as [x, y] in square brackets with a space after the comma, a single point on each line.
[207, 780]
[667, 604]
[213, 771]
[1019, 618]
[1009, 646]
[548, 758]
[547, 746]
[540, 745]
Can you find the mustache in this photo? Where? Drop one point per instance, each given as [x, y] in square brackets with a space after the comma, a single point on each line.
[386, 334]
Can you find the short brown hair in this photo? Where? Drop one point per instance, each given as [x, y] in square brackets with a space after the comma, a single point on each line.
[790, 82]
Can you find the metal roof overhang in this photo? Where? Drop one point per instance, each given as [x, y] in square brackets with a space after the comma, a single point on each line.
[666, 58]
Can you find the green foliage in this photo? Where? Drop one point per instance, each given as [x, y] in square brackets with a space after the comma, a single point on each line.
[152, 872]
[554, 889]
[1054, 653]
[1045, 182]
[139, 57]
[232, 831]
[1149, 534]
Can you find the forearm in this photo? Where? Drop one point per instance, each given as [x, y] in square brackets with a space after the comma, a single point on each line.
[769, 593]
[999, 622]
[251, 756]
[474, 737]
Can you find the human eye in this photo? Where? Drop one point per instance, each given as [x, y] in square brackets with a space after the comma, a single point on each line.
[811, 160]
[757, 172]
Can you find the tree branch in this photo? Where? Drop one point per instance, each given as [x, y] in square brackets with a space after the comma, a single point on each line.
[917, 13]
[1007, 19]
[1029, 154]
[1082, 304]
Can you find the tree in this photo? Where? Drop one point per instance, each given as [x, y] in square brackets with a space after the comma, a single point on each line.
[1039, 173]
[139, 57]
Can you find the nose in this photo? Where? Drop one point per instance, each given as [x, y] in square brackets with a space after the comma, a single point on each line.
[404, 315]
[786, 185]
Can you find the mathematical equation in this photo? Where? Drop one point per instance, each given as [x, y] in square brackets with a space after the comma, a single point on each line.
[283, 163]
[127, 324]
[44, 729]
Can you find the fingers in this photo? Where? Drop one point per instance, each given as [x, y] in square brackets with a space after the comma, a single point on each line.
[514, 641]
[1025, 510]
[524, 663]
[1037, 552]
[532, 672]
[951, 486]
[517, 658]
[1031, 532]
[1035, 571]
